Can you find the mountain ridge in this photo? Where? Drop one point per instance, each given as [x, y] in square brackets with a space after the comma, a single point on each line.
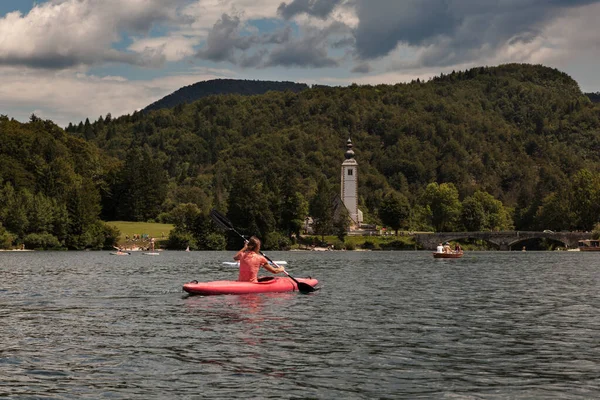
[244, 87]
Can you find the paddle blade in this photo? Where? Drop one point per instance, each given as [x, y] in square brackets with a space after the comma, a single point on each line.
[305, 288]
[220, 220]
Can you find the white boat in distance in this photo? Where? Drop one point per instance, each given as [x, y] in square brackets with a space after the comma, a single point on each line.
[235, 263]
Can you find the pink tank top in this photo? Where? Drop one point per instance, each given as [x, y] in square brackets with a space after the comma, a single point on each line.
[250, 263]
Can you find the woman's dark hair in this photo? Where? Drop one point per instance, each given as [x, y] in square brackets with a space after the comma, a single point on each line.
[253, 243]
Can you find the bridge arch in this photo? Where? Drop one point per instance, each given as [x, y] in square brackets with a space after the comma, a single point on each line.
[504, 240]
[462, 238]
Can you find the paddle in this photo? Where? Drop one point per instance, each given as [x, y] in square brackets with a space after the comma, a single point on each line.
[223, 222]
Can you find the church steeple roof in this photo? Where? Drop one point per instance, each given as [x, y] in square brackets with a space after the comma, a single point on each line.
[349, 153]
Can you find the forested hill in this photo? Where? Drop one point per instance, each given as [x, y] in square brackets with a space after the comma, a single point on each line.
[520, 134]
[191, 93]
[513, 146]
[50, 184]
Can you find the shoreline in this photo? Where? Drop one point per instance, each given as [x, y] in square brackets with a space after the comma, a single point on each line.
[16, 250]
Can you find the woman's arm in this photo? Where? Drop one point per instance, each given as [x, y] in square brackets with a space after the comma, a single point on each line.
[238, 255]
[272, 269]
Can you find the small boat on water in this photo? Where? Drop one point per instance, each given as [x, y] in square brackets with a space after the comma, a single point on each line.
[267, 284]
[589, 245]
[453, 254]
[120, 253]
[152, 253]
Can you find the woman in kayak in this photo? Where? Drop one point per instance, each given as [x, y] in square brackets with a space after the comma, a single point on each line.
[251, 260]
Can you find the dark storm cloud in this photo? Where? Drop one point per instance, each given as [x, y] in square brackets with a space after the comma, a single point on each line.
[226, 39]
[343, 43]
[309, 50]
[306, 52]
[452, 29]
[442, 32]
[252, 60]
[362, 68]
[227, 42]
[316, 8]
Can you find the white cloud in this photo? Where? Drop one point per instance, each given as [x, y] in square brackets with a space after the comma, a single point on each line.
[66, 33]
[389, 77]
[572, 35]
[344, 13]
[172, 48]
[70, 96]
[569, 43]
[206, 12]
[45, 54]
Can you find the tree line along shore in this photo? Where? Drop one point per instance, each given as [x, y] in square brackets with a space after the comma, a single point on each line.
[508, 147]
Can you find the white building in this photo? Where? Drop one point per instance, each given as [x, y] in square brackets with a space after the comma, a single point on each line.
[349, 192]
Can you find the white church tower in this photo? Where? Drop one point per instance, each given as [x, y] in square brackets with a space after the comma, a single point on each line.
[349, 192]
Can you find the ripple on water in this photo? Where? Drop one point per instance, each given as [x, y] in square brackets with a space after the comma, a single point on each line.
[385, 325]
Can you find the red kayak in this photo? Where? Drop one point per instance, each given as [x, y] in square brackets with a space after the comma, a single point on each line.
[264, 285]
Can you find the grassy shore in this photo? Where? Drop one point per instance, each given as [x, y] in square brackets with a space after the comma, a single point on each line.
[160, 232]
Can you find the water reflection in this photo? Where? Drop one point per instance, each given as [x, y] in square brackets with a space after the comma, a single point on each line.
[233, 309]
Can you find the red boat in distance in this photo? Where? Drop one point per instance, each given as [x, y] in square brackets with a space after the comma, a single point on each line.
[452, 254]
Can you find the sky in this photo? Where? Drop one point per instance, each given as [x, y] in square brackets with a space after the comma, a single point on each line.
[68, 60]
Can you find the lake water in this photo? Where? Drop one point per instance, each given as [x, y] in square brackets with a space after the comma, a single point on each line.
[401, 325]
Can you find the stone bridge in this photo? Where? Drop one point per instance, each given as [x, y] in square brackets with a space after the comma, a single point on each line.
[503, 239]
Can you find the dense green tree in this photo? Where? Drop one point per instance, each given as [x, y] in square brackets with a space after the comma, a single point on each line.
[209, 237]
[41, 241]
[555, 213]
[394, 211]
[585, 195]
[483, 212]
[277, 241]
[248, 207]
[142, 187]
[14, 212]
[83, 207]
[194, 229]
[443, 203]
[41, 214]
[6, 238]
[47, 181]
[60, 224]
[473, 216]
[88, 130]
[321, 208]
[341, 222]
[183, 216]
[294, 206]
[180, 238]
